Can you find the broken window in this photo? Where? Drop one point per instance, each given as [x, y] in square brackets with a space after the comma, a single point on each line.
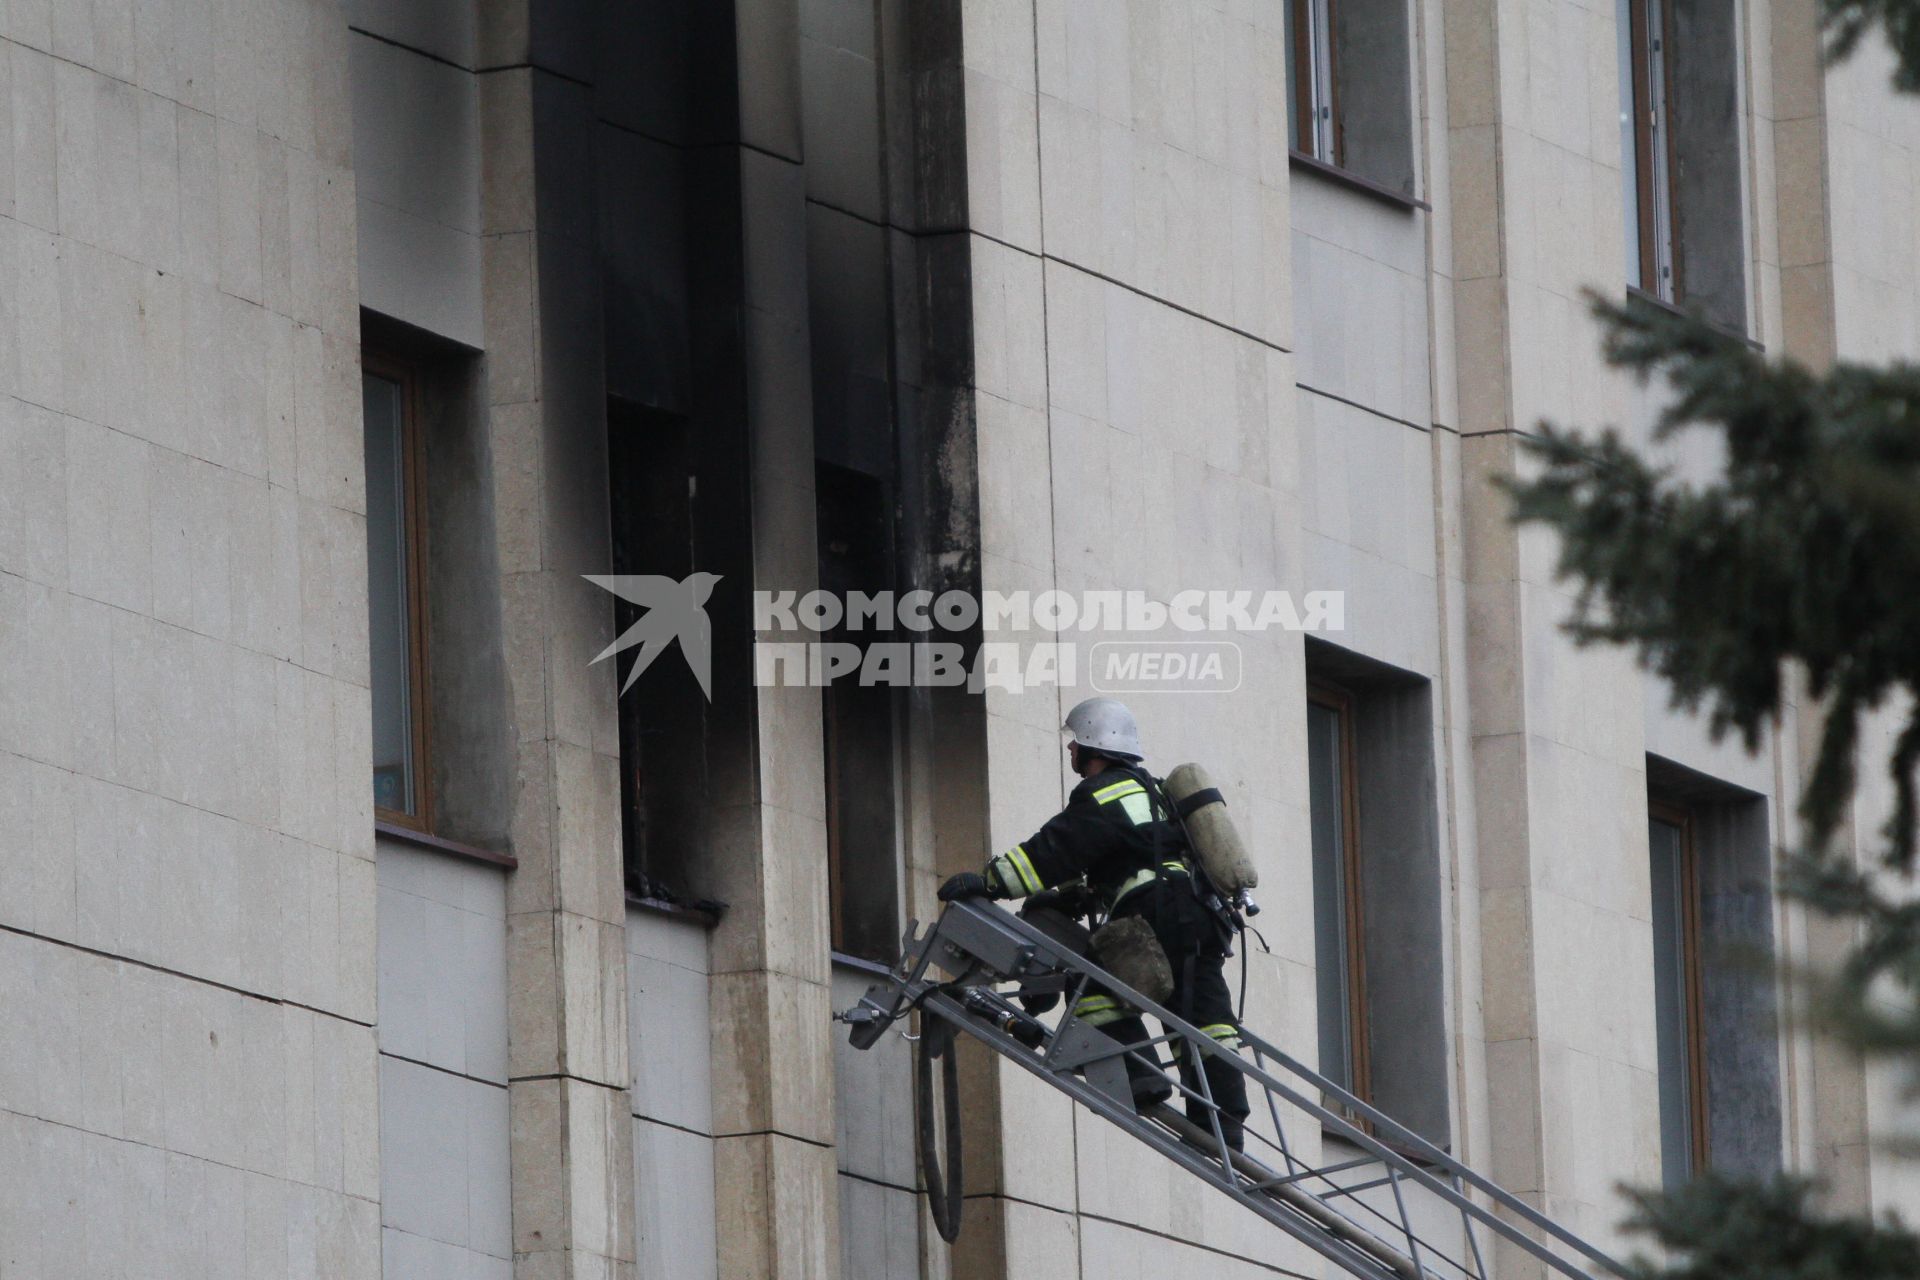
[663, 716]
[863, 846]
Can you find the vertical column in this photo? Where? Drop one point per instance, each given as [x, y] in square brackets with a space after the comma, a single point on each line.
[569, 1073]
[772, 1058]
[1557, 752]
[1829, 1108]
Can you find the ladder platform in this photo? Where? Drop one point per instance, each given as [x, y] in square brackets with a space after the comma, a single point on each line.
[981, 949]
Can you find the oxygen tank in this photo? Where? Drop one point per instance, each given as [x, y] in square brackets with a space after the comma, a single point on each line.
[1210, 829]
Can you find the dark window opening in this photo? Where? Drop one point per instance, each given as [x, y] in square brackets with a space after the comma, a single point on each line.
[856, 555]
[662, 716]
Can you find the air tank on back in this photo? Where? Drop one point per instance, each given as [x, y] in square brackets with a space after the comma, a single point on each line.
[1216, 843]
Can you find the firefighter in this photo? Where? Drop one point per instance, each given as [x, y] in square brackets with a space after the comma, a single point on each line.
[1118, 836]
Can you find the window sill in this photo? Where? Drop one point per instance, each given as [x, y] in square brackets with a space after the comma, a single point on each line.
[1637, 294]
[861, 964]
[421, 840]
[673, 910]
[1346, 178]
[1398, 1148]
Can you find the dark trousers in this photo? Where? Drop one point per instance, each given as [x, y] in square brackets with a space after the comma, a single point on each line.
[1200, 995]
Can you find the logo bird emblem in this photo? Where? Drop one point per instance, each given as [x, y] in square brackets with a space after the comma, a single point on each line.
[674, 610]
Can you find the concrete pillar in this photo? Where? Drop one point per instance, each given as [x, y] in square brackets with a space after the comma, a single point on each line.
[569, 1073]
[187, 888]
[1558, 761]
[773, 1078]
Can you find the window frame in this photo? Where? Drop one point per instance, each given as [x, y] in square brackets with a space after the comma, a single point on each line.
[1654, 158]
[381, 364]
[1691, 982]
[1342, 703]
[1313, 65]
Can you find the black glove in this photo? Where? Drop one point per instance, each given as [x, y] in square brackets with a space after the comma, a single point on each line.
[968, 884]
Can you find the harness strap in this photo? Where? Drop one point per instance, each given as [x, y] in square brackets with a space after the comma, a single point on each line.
[1204, 796]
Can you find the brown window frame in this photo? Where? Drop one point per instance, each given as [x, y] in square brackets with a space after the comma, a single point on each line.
[1341, 703]
[1304, 73]
[1645, 135]
[1693, 992]
[413, 542]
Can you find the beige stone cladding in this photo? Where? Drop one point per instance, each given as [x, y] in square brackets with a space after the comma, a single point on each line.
[186, 870]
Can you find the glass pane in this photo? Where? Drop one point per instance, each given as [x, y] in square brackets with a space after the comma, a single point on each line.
[389, 620]
[1293, 78]
[1661, 168]
[1670, 999]
[1320, 37]
[1629, 146]
[1324, 792]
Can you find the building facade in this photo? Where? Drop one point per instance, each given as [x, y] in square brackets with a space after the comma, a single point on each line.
[355, 922]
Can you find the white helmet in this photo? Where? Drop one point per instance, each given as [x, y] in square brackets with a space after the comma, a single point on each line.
[1106, 726]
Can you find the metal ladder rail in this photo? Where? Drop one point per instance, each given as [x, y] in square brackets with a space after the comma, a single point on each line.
[974, 940]
[1165, 1141]
[1352, 1246]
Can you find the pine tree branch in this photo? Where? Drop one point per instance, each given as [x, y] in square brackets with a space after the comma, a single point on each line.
[1806, 549]
[1721, 1229]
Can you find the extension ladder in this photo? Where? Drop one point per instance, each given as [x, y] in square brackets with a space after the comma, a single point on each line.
[1323, 1205]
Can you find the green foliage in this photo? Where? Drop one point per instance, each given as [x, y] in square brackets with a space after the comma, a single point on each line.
[1872, 1000]
[1846, 21]
[1806, 550]
[1720, 1229]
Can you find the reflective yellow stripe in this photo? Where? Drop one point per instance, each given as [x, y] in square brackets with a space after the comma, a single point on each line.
[1225, 1032]
[1118, 789]
[1138, 880]
[1024, 865]
[1098, 1011]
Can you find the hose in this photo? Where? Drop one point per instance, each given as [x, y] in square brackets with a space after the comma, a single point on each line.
[944, 1188]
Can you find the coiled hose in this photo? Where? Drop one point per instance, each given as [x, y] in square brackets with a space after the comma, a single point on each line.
[944, 1188]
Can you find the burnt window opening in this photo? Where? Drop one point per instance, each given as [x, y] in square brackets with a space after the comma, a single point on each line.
[663, 716]
[859, 731]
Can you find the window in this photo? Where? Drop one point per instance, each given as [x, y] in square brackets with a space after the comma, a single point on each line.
[863, 858]
[1677, 995]
[1350, 92]
[663, 717]
[395, 632]
[1646, 147]
[1378, 896]
[1681, 165]
[1338, 958]
[1312, 125]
